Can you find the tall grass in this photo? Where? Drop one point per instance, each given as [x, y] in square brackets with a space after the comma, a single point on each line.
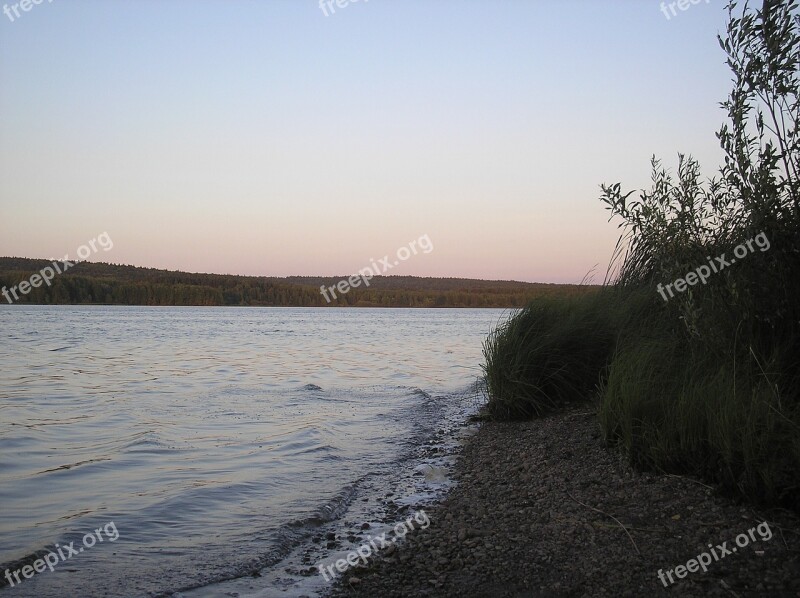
[549, 354]
[707, 382]
[673, 406]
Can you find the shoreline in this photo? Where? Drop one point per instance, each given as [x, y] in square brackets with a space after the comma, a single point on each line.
[543, 508]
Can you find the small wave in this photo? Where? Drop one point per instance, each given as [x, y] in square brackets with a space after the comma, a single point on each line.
[18, 564]
[288, 537]
[432, 473]
[330, 511]
[418, 392]
[144, 442]
[71, 465]
[52, 422]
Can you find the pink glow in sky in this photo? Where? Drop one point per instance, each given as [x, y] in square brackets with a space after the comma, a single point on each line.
[268, 139]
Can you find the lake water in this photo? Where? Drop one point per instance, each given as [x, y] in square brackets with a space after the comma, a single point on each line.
[227, 445]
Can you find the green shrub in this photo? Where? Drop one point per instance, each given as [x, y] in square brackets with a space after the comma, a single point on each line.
[706, 382]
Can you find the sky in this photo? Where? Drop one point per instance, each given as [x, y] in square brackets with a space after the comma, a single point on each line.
[266, 137]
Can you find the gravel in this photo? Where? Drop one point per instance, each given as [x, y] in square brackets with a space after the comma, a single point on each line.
[543, 508]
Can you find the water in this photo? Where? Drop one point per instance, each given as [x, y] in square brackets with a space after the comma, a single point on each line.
[221, 442]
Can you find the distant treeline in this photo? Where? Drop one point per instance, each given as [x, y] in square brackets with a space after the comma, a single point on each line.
[99, 283]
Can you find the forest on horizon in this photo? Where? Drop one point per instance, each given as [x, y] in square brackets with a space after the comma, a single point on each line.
[109, 284]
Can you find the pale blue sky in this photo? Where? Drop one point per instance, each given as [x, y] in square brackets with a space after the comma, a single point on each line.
[262, 137]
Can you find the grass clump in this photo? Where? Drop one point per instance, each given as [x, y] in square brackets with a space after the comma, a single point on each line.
[548, 354]
[672, 406]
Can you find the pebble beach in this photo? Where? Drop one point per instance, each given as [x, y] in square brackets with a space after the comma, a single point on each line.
[544, 508]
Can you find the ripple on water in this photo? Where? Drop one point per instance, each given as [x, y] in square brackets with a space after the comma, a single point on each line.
[218, 440]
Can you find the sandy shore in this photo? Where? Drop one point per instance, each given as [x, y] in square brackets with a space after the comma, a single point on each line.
[542, 508]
